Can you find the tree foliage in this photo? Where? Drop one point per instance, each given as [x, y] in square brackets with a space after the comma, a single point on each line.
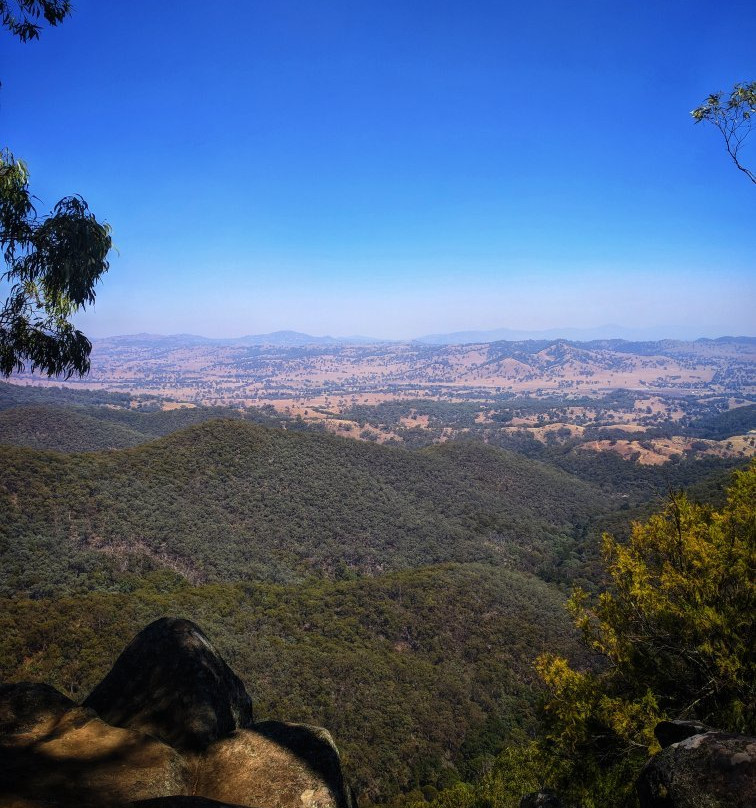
[52, 262]
[733, 116]
[672, 636]
[52, 265]
[22, 17]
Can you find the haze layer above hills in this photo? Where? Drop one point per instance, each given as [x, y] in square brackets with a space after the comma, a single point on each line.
[290, 338]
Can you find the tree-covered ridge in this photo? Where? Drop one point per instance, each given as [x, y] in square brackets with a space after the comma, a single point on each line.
[725, 424]
[94, 428]
[618, 431]
[71, 429]
[416, 673]
[227, 500]
[79, 420]
[16, 395]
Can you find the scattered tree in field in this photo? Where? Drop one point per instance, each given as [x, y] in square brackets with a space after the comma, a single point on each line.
[733, 116]
[53, 262]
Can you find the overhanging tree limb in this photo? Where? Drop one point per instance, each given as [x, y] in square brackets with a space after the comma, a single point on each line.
[53, 262]
[733, 116]
[22, 17]
[52, 266]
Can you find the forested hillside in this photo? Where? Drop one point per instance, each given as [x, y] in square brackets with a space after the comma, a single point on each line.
[87, 421]
[227, 501]
[18, 395]
[417, 674]
[91, 429]
[399, 596]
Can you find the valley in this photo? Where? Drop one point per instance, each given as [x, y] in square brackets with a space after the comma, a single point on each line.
[500, 555]
[508, 393]
[215, 372]
[382, 550]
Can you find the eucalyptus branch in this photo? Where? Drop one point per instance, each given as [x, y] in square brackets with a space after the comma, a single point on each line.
[733, 117]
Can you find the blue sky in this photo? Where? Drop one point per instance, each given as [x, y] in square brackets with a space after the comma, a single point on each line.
[396, 168]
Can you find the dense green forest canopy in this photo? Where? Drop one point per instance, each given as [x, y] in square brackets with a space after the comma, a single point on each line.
[228, 500]
[397, 595]
[418, 674]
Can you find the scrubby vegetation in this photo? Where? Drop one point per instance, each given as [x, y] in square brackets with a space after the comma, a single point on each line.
[671, 637]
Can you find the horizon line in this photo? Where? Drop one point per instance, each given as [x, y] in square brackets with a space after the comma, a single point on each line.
[486, 335]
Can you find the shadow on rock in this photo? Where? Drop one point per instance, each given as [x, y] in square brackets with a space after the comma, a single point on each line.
[171, 683]
[56, 753]
[699, 768]
[170, 725]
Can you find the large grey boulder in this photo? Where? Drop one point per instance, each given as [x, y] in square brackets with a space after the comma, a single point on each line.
[706, 769]
[170, 725]
[171, 683]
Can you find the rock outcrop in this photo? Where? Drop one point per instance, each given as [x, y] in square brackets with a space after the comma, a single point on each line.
[297, 763]
[699, 768]
[53, 752]
[172, 684]
[169, 727]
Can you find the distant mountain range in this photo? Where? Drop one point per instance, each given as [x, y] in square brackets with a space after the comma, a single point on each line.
[604, 332]
[295, 339]
[276, 339]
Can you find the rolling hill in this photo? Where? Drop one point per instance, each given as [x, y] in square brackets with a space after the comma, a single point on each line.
[94, 428]
[229, 500]
[397, 596]
[386, 593]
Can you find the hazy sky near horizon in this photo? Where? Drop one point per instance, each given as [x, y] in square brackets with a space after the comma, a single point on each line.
[396, 168]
